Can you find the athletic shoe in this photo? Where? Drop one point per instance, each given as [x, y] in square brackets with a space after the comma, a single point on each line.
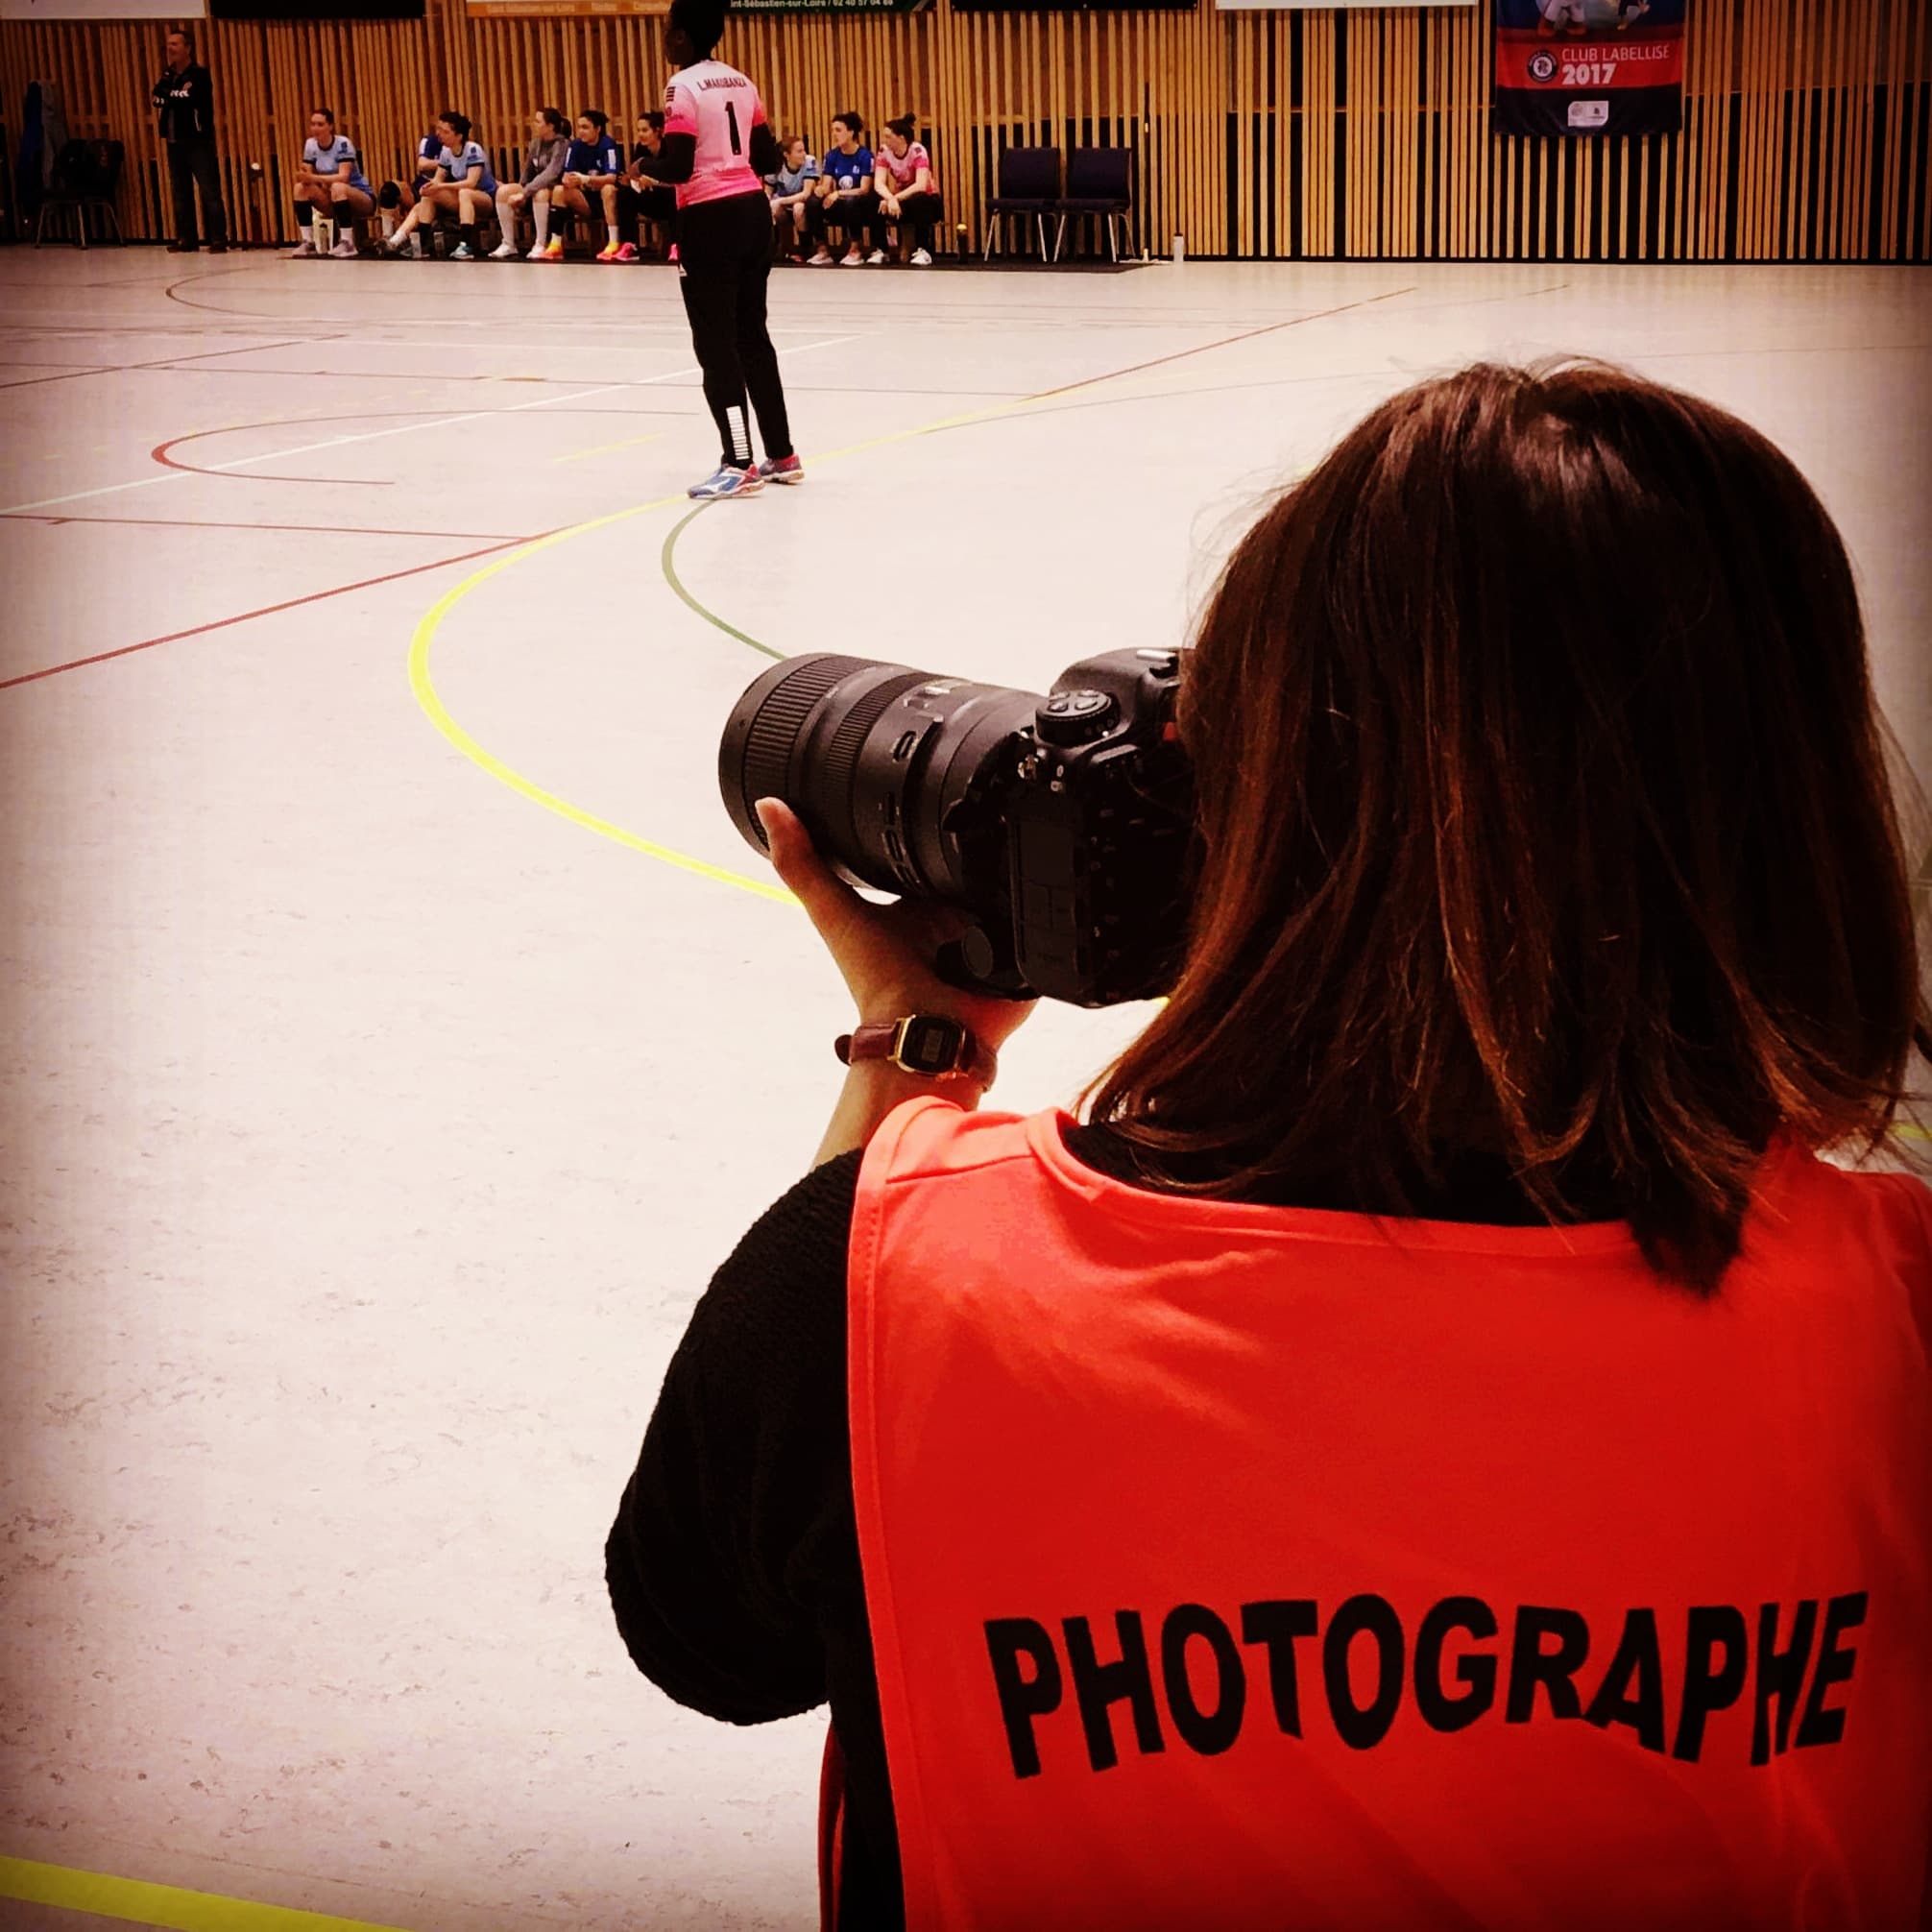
[539, 252]
[853, 260]
[394, 245]
[461, 253]
[876, 259]
[553, 250]
[673, 255]
[304, 249]
[822, 260]
[922, 257]
[628, 252]
[610, 251]
[505, 251]
[781, 470]
[345, 249]
[728, 480]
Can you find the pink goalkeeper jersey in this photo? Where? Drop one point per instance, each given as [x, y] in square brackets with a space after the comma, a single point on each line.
[719, 107]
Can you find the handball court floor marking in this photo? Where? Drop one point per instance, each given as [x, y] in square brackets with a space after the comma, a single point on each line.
[433, 421]
[423, 684]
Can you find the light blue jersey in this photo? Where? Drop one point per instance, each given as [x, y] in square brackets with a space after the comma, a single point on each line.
[456, 166]
[327, 160]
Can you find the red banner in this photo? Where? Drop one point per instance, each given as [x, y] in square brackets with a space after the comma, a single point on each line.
[1529, 60]
[1589, 67]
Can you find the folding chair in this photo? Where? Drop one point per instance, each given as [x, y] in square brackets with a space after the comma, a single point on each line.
[1029, 184]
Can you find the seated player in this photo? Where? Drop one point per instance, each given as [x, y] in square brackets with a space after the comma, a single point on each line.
[394, 199]
[594, 167]
[462, 185]
[543, 170]
[793, 189]
[642, 199]
[330, 181]
[908, 194]
[845, 196]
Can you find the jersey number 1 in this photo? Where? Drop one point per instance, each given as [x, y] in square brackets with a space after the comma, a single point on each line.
[731, 115]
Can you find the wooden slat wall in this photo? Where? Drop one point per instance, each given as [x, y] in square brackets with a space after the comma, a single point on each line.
[1359, 134]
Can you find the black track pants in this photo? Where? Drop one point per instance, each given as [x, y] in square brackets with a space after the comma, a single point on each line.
[724, 250]
[192, 164]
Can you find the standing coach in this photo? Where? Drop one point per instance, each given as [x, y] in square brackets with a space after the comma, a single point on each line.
[184, 98]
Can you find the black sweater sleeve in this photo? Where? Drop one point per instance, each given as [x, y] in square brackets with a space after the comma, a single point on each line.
[676, 157]
[767, 156]
[735, 1526]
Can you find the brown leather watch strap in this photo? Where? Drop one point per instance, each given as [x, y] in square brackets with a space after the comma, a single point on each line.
[928, 1044]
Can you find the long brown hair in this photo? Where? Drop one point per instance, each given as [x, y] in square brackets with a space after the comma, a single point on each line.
[1544, 820]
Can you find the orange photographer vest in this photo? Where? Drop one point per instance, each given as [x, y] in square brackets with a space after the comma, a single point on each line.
[1243, 1568]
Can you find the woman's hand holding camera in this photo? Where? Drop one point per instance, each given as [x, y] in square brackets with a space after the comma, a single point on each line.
[884, 952]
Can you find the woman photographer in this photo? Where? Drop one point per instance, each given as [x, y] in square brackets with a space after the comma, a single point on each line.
[1438, 1448]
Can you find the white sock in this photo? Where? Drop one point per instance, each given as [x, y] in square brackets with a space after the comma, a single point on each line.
[388, 224]
[611, 230]
[542, 217]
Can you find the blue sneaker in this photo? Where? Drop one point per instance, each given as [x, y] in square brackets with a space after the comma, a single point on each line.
[727, 481]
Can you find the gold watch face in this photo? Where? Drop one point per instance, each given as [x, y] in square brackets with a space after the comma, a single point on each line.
[929, 1045]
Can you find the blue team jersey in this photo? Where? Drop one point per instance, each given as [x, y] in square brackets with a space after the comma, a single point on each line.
[427, 149]
[593, 158]
[458, 165]
[327, 160]
[850, 171]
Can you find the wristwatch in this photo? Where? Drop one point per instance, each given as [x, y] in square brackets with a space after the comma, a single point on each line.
[926, 1043]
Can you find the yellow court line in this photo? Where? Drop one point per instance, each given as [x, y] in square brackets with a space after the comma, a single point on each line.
[605, 448]
[136, 1901]
[423, 682]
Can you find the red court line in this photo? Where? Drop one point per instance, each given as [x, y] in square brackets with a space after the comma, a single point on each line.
[160, 452]
[29, 381]
[266, 611]
[208, 524]
[168, 362]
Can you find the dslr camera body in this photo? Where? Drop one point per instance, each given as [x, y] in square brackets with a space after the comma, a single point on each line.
[1061, 826]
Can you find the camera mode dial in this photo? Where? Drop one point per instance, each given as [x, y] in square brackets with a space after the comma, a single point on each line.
[1074, 717]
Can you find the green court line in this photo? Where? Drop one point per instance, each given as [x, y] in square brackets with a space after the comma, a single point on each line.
[676, 583]
[172, 1906]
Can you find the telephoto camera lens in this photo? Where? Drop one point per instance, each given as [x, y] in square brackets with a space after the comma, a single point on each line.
[872, 757]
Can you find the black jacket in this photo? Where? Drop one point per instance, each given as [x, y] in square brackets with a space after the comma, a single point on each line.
[186, 104]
